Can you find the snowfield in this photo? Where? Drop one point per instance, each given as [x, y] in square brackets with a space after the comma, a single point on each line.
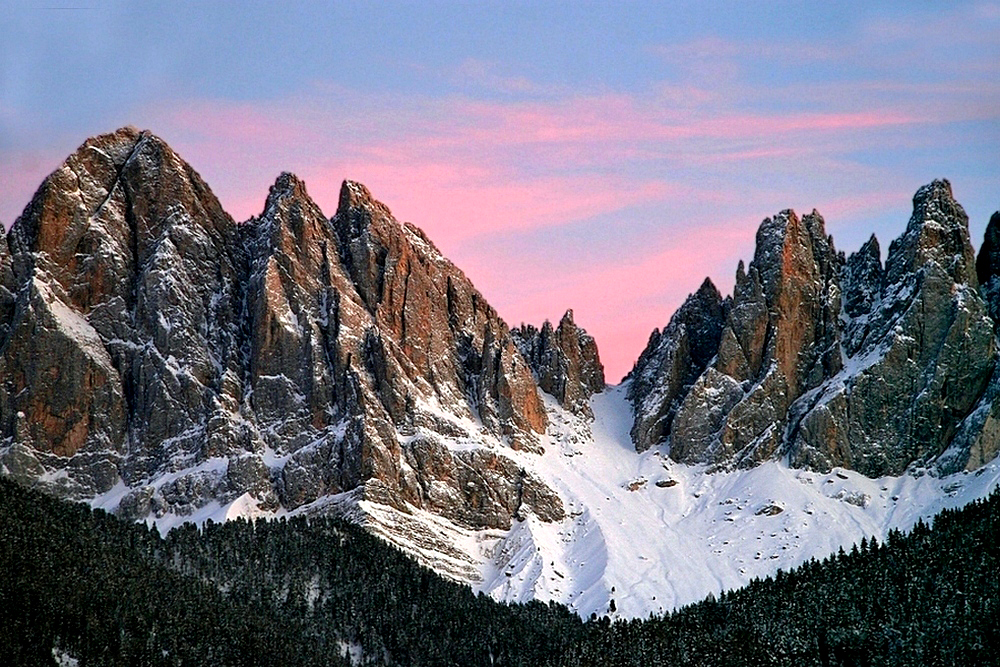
[652, 535]
[644, 534]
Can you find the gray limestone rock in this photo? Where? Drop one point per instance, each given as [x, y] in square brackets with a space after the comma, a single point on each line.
[924, 356]
[842, 363]
[988, 265]
[144, 334]
[862, 283]
[564, 361]
[6, 288]
[780, 339]
[672, 361]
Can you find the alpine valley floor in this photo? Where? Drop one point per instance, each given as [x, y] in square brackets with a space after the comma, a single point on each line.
[643, 534]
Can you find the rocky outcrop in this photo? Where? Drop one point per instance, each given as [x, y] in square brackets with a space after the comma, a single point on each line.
[840, 363]
[779, 340]
[564, 361]
[6, 283]
[672, 361]
[119, 345]
[988, 265]
[147, 339]
[862, 283]
[977, 440]
[453, 348]
[925, 357]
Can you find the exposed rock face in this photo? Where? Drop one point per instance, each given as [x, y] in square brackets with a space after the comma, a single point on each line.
[778, 341]
[862, 282]
[564, 360]
[926, 354]
[125, 282]
[988, 265]
[978, 438]
[672, 361]
[6, 282]
[146, 338]
[842, 363]
[460, 355]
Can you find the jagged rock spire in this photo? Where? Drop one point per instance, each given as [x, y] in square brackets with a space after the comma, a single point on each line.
[672, 361]
[836, 362]
[564, 360]
[152, 334]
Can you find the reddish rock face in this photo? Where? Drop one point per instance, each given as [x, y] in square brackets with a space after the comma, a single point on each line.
[452, 348]
[779, 340]
[143, 332]
[564, 360]
[123, 269]
[838, 363]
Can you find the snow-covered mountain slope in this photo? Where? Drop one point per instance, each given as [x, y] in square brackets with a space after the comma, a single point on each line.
[653, 535]
[641, 530]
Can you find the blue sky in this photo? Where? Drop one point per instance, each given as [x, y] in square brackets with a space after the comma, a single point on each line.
[598, 156]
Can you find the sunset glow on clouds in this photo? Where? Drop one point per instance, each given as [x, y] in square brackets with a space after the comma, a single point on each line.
[608, 168]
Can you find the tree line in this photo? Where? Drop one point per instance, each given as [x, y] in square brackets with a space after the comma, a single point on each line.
[320, 591]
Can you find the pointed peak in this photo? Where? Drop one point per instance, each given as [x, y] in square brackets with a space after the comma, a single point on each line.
[939, 188]
[788, 215]
[936, 202]
[871, 247]
[567, 318]
[938, 231]
[773, 231]
[287, 185]
[290, 220]
[287, 181]
[354, 196]
[815, 223]
[122, 137]
[708, 288]
[117, 146]
[706, 298]
[988, 261]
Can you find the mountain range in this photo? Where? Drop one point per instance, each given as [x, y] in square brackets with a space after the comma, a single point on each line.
[163, 361]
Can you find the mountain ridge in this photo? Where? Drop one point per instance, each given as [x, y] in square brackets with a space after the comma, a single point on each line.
[161, 360]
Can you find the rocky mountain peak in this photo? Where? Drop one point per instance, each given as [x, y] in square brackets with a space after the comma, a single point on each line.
[862, 282]
[815, 349]
[357, 204]
[863, 277]
[988, 265]
[126, 275]
[779, 339]
[672, 361]
[155, 342]
[988, 261]
[286, 186]
[564, 360]
[938, 232]
[290, 212]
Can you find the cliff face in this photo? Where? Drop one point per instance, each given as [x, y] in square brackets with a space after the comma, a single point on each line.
[147, 339]
[672, 361]
[564, 360]
[837, 362]
[923, 356]
[119, 351]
